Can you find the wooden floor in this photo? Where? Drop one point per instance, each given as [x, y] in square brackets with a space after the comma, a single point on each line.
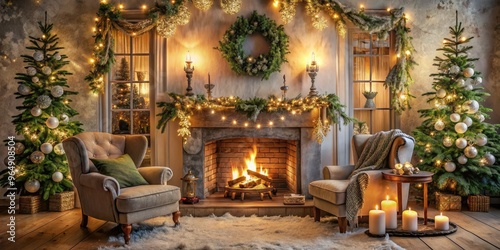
[61, 230]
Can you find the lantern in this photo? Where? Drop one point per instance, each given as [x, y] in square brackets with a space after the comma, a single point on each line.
[189, 189]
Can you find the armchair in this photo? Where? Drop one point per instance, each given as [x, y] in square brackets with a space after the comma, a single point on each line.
[330, 195]
[101, 196]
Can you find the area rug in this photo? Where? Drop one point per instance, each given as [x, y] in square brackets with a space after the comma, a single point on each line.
[230, 232]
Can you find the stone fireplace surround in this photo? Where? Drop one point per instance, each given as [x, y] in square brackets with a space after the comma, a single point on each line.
[207, 128]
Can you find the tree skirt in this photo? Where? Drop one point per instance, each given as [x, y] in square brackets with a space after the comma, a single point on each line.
[229, 232]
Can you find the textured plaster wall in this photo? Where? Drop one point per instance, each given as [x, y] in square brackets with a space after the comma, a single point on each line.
[73, 20]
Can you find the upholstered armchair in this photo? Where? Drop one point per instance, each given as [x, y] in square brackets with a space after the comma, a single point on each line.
[101, 196]
[330, 194]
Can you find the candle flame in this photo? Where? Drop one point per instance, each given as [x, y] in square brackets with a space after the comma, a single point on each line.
[376, 207]
[409, 208]
[441, 213]
[387, 197]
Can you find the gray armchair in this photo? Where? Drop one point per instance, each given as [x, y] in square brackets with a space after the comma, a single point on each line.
[330, 194]
[101, 196]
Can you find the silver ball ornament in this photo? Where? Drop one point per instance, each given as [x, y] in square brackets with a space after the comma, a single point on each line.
[32, 186]
[481, 117]
[450, 166]
[19, 148]
[35, 79]
[461, 143]
[64, 119]
[57, 176]
[58, 149]
[57, 91]
[490, 159]
[46, 70]
[36, 111]
[38, 56]
[441, 93]
[43, 101]
[52, 122]
[470, 151]
[447, 141]
[461, 82]
[472, 106]
[439, 125]
[460, 127]
[462, 159]
[57, 56]
[31, 71]
[481, 139]
[468, 72]
[23, 89]
[46, 148]
[454, 69]
[478, 80]
[468, 87]
[37, 157]
[468, 121]
[455, 117]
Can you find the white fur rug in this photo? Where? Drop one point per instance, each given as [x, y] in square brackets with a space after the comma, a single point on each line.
[229, 232]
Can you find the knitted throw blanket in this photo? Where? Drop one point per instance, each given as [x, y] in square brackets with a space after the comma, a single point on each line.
[374, 156]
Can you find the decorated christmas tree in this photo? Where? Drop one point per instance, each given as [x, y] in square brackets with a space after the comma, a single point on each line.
[40, 163]
[454, 141]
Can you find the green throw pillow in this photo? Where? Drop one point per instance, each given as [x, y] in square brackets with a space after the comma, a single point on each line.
[122, 169]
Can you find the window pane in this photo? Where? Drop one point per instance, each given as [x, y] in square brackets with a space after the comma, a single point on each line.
[141, 122]
[361, 68]
[381, 120]
[359, 99]
[122, 42]
[121, 69]
[141, 96]
[121, 95]
[141, 43]
[361, 43]
[141, 66]
[380, 67]
[380, 46]
[382, 99]
[120, 122]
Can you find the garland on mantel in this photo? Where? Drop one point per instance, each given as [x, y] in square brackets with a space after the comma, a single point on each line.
[182, 107]
[168, 14]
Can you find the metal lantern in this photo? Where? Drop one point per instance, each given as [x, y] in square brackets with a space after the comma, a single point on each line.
[189, 188]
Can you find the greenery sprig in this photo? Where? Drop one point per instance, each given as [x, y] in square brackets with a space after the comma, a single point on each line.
[231, 46]
[182, 107]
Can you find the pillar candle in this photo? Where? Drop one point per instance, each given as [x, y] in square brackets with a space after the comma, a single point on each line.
[441, 222]
[390, 208]
[376, 221]
[410, 220]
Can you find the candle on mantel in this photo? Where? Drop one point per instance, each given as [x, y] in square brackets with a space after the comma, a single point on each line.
[441, 222]
[376, 221]
[410, 220]
[390, 208]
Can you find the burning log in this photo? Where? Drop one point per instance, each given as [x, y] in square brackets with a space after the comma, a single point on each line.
[259, 175]
[249, 184]
[236, 181]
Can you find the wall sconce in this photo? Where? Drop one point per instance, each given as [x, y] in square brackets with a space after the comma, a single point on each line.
[189, 74]
[312, 70]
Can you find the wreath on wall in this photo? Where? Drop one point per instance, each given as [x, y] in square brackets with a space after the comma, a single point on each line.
[231, 46]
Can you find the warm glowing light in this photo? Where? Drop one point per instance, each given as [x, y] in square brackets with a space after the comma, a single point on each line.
[212, 111]
[407, 52]
[144, 6]
[94, 29]
[235, 122]
[444, 41]
[376, 207]
[402, 96]
[223, 118]
[406, 16]
[361, 6]
[43, 36]
[133, 33]
[92, 60]
[246, 124]
[388, 9]
[276, 3]
[198, 107]
[101, 45]
[259, 126]
[96, 19]
[335, 16]
[294, 112]
[103, 1]
[463, 39]
[271, 123]
[188, 57]
[121, 6]
[438, 162]
[282, 118]
[397, 55]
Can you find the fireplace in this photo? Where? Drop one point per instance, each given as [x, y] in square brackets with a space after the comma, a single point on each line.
[286, 149]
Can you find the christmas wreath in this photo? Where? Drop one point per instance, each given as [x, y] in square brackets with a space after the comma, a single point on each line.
[231, 46]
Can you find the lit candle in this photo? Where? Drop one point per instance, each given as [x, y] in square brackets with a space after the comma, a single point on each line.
[441, 222]
[391, 213]
[313, 57]
[376, 221]
[188, 57]
[410, 220]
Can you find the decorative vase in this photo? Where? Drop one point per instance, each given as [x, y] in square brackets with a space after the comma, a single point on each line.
[369, 99]
[141, 75]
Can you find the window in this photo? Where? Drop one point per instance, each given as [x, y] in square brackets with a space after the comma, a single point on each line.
[129, 85]
[371, 60]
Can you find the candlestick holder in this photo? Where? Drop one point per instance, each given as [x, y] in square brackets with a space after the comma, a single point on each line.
[189, 75]
[312, 70]
[284, 88]
[209, 88]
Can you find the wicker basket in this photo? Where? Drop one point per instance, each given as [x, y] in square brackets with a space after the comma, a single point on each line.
[478, 203]
[32, 204]
[62, 201]
[448, 202]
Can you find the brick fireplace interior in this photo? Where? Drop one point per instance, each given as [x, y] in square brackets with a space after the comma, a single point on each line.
[278, 156]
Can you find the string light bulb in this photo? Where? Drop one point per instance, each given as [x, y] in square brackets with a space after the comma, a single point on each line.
[144, 6]
[121, 6]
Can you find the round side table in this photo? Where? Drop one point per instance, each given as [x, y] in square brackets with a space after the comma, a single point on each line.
[423, 177]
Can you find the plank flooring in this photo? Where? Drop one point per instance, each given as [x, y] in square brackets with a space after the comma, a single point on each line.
[61, 230]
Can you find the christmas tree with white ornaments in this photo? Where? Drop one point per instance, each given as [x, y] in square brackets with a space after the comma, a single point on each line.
[44, 121]
[454, 141]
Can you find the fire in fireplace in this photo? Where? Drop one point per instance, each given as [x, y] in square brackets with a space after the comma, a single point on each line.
[247, 180]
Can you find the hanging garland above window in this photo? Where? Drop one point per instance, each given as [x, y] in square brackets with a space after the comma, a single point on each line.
[231, 46]
[168, 14]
